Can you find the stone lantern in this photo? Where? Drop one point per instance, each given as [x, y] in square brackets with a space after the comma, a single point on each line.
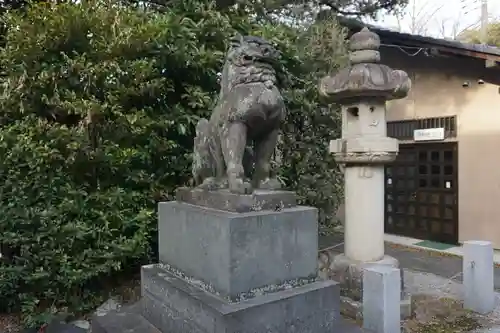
[362, 90]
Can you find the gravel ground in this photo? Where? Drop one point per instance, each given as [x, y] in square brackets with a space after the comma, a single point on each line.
[9, 323]
[428, 283]
[430, 273]
[417, 283]
[416, 259]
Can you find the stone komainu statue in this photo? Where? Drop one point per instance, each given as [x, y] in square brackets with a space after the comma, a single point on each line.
[243, 130]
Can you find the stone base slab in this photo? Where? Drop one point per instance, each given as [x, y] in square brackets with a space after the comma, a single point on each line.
[127, 319]
[175, 306]
[239, 203]
[172, 305]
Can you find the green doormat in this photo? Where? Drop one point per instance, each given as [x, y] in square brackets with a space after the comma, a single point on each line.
[434, 245]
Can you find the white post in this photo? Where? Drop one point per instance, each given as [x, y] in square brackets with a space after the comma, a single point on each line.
[478, 276]
[381, 299]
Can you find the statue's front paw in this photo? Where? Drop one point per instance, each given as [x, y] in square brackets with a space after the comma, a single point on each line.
[239, 186]
[209, 184]
[270, 184]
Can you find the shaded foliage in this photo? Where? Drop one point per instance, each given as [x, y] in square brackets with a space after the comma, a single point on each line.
[337, 7]
[474, 35]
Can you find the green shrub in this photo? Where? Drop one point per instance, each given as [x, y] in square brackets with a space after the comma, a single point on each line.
[306, 165]
[97, 109]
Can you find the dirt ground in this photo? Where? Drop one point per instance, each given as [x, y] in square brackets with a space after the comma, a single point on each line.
[9, 323]
[128, 291]
[434, 314]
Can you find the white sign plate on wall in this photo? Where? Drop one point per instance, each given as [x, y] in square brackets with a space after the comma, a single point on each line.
[429, 134]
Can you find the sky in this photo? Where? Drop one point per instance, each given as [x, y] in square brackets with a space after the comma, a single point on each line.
[439, 18]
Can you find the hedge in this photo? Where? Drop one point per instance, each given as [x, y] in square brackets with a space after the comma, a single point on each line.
[98, 105]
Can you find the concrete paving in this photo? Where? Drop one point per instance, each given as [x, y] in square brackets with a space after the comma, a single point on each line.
[422, 260]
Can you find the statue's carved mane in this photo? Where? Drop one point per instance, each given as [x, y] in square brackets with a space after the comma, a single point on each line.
[246, 63]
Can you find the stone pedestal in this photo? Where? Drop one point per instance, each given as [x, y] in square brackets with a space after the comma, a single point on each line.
[222, 271]
[236, 254]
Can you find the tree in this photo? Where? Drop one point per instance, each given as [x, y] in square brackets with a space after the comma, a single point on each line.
[97, 114]
[474, 35]
[337, 7]
[452, 26]
[418, 16]
[342, 7]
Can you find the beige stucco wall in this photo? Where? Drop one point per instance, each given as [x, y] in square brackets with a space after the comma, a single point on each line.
[437, 93]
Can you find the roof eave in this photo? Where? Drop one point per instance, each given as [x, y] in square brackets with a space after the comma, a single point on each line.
[454, 47]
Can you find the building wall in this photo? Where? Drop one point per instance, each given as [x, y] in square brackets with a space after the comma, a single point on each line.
[438, 91]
